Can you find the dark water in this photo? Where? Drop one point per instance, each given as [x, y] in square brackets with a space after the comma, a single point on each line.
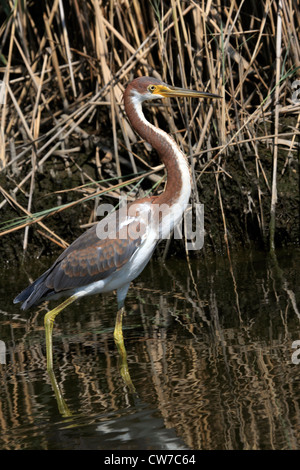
[209, 352]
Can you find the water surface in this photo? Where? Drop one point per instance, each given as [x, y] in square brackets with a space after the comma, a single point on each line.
[209, 352]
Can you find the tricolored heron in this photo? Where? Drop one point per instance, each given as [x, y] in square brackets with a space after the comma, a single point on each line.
[92, 264]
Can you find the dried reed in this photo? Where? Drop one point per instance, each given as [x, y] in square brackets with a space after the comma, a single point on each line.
[65, 65]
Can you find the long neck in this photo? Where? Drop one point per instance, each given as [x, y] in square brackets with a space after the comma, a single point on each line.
[178, 187]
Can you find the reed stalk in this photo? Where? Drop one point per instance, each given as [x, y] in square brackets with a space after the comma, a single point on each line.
[65, 65]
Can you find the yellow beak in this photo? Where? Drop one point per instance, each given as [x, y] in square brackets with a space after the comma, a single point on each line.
[171, 91]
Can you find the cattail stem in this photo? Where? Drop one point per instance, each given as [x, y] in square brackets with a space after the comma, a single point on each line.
[275, 153]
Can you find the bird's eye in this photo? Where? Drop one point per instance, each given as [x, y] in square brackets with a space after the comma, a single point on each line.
[151, 88]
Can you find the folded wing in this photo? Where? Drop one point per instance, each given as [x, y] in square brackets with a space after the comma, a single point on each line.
[90, 258]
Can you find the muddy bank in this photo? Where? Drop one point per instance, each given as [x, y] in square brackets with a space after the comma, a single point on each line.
[240, 199]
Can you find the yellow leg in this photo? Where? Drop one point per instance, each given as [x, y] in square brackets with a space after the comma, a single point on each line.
[49, 320]
[119, 340]
[62, 406]
[118, 331]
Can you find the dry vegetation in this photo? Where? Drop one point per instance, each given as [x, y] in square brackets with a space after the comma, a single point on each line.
[66, 145]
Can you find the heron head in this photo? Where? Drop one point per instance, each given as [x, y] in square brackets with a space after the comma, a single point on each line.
[150, 88]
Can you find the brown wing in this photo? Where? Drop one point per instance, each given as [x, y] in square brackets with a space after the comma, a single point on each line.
[91, 259]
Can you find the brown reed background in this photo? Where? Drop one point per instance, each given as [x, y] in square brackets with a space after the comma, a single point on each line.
[66, 145]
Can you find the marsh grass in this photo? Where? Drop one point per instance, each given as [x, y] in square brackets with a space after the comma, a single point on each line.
[65, 65]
